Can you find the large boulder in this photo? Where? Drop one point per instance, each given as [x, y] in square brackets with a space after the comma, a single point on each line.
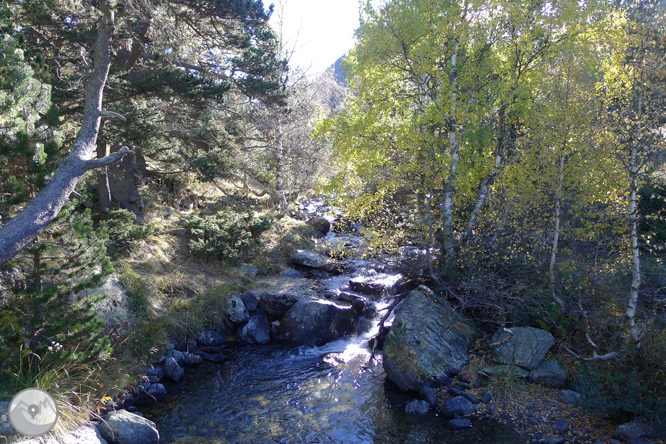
[309, 258]
[428, 343]
[317, 321]
[276, 305]
[256, 331]
[526, 348]
[123, 427]
[236, 310]
[548, 374]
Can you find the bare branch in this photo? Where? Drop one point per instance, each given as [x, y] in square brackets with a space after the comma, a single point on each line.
[111, 114]
[108, 160]
[500, 343]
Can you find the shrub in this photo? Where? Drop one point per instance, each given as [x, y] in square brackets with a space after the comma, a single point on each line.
[631, 386]
[228, 236]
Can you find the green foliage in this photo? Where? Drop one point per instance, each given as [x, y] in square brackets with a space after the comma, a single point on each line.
[139, 291]
[633, 385]
[124, 232]
[228, 236]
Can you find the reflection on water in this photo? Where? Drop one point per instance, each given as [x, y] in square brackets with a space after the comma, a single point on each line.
[274, 394]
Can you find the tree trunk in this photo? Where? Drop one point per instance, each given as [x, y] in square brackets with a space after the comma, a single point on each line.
[279, 174]
[43, 209]
[632, 304]
[556, 237]
[449, 187]
[123, 184]
[103, 190]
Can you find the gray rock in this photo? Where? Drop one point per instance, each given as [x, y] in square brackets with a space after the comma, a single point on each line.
[486, 397]
[552, 441]
[502, 370]
[236, 310]
[320, 225]
[428, 395]
[211, 337]
[317, 321]
[153, 379]
[250, 300]
[123, 427]
[378, 284]
[114, 309]
[248, 270]
[157, 390]
[309, 258]
[291, 273]
[455, 407]
[491, 408]
[417, 408]
[526, 348]
[276, 305]
[428, 342]
[256, 331]
[548, 374]
[177, 355]
[192, 359]
[560, 426]
[642, 427]
[570, 397]
[173, 370]
[460, 424]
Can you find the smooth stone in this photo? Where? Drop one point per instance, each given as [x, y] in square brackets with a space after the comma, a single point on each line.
[123, 427]
[486, 397]
[552, 441]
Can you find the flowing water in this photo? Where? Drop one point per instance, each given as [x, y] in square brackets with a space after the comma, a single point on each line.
[326, 394]
[277, 394]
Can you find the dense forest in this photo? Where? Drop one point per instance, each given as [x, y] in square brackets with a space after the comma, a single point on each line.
[519, 144]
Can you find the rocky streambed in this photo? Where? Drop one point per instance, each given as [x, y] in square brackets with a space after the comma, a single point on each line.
[300, 367]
